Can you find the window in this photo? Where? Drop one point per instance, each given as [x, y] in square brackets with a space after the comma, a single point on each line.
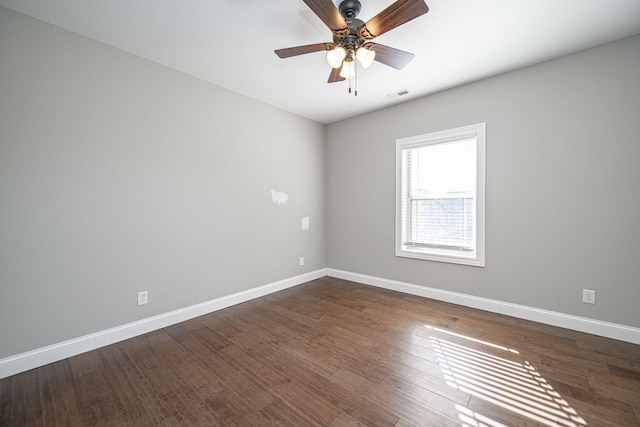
[440, 196]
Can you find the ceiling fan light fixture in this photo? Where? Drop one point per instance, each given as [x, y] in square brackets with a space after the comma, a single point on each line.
[352, 37]
[336, 56]
[365, 56]
[348, 69]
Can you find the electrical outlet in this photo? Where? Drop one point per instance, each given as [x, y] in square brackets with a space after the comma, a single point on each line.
[588, 296]
[143, 297]
[301, 260]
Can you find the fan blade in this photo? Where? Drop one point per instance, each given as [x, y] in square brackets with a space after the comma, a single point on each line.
[395, 15]
[301, 50]
[335, 76]
[394, 58]
[328, 13]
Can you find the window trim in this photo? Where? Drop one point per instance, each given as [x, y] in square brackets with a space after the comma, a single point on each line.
[477, 258]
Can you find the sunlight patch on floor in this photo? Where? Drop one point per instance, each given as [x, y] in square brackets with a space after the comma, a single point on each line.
[444, 331]
[471, 418]
[511, 384]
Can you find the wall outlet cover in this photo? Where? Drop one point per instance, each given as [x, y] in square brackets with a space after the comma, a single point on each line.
[143, 297]
[588, 296]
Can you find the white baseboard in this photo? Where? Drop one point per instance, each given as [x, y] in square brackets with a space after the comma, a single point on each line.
[32, 359]
[596, 327]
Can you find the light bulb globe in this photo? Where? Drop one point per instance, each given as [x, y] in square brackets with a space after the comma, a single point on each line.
[348, 69]
[365, 56]
[335, 56]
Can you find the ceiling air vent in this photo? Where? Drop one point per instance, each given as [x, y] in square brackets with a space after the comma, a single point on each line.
[397, 94]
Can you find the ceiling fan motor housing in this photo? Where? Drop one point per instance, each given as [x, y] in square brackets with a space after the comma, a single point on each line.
[349, 9]
[350, 37]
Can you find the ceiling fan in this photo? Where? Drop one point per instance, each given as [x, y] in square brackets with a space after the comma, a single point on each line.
[352, 37]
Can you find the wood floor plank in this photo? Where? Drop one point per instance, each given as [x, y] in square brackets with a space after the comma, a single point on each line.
[60, 400]
[346, 420]
[337, 353]
[380, 402]
[253, 395]
[428, 384]
[20, 401]
[278, 413]
[307, 401]
[316, 387]
[435, 403]
[96, 397]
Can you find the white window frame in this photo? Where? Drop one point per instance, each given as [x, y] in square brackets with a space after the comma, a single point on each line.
[475, 257]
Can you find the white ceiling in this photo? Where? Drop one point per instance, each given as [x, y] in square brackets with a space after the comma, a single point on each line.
[230, 43]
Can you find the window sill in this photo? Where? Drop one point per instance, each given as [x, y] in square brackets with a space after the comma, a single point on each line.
[448, 256]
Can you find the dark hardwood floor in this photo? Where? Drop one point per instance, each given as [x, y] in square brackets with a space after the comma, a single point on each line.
[337, 353]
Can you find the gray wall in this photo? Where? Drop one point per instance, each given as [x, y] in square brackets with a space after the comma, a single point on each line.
[119, 175]
[563, 185]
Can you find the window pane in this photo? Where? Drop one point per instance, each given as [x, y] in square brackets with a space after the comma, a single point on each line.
[440, 194]
[442, 222]
[448, 168]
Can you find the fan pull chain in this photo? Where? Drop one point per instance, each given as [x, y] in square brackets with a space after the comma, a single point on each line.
[355, 76]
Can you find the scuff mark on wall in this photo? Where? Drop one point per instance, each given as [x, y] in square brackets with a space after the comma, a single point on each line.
[305, 223]
[279, 198]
